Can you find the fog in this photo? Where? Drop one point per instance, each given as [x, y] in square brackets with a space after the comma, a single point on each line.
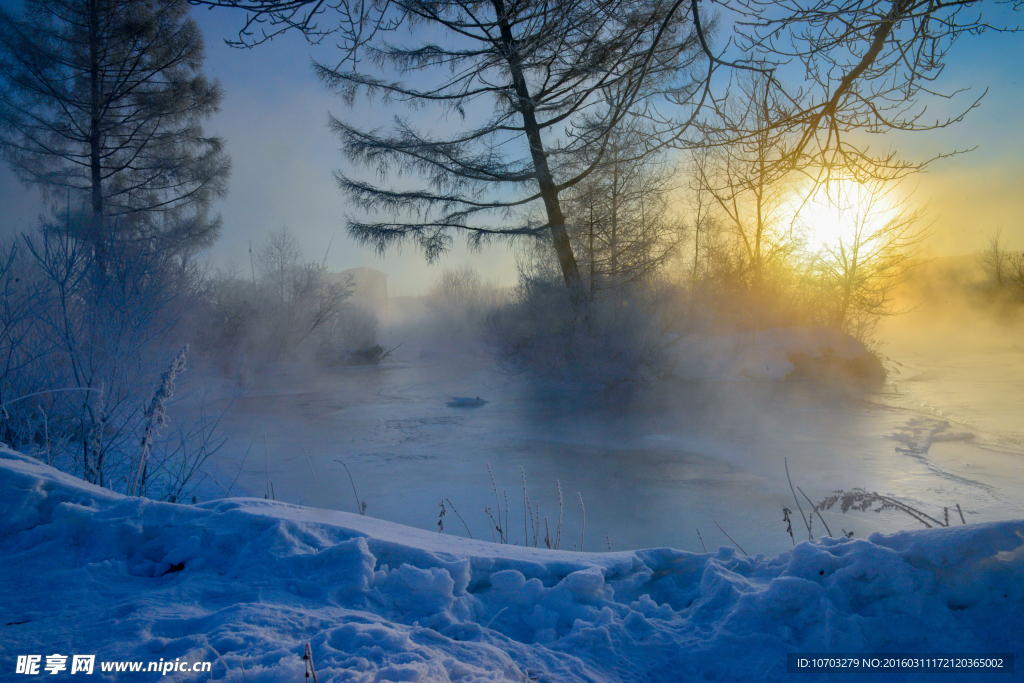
[654, 459]
[653, 462]
[701, 313]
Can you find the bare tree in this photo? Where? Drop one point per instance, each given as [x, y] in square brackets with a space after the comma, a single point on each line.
[557, 78]
[620, 215]
[1003, 269]
[564, 75]
[994, 261]
[293, 302]
[278, 256]
[750, 181]
[853, 66]
[705, 228]
[100, 104]
[878, 236]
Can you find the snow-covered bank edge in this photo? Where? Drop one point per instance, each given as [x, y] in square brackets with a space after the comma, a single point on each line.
[244, 583]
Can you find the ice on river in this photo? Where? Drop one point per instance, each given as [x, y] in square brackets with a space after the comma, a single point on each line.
[651, 466]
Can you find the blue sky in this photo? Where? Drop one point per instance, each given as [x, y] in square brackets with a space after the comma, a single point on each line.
[274, 120]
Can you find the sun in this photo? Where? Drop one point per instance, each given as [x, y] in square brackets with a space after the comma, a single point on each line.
[841, 211]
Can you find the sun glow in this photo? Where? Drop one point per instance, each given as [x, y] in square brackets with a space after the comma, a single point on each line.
[842, 211]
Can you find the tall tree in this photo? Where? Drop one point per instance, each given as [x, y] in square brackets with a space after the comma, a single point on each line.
[620, 215]
[101, 104]
[558, 77]
[849, 66]
[876, 235]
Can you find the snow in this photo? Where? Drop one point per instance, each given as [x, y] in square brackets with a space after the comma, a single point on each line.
[90, 571]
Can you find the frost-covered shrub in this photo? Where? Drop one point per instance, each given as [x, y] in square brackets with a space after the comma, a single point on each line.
[615, 336]
[289, 309]
[285, 317]
[83, 345]
[352, 328]
[458, 304]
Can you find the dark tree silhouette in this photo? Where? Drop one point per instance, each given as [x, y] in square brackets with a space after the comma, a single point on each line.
[563, 75]
[100, 104]
[559, 77]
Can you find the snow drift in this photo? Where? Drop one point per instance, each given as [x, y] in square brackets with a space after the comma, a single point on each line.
[244, 583]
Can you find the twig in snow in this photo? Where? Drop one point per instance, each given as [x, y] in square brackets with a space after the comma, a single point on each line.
[494, 487]
[786, 512]
[460, 518]
[815, 508]
[558, 529]
[526, 508]
[798, 507]
[495, 617]
[359, 504]
[731, 539]
[239, 472]
[266, 470]
[583, 534]
[308, 658]
[701, 540]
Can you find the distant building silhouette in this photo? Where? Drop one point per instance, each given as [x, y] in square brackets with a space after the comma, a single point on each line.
[369, 287]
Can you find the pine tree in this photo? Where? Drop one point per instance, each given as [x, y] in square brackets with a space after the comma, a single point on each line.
[101, 104]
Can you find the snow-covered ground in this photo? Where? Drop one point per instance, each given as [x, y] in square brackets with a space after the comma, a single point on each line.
[244, 583]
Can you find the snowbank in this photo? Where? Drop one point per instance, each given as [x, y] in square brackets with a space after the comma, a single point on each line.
[244, 583]
[781, 353]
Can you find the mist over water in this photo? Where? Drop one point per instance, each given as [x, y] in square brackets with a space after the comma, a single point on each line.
[653, 464]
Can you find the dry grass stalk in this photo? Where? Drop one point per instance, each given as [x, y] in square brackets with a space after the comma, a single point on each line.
[583, 534]
[360, 505]
[155, 418]
[452, 506]
[731, 539]
[307, 657]
[859, 499]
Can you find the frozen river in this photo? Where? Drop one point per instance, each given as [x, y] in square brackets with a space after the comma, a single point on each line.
[651, 466]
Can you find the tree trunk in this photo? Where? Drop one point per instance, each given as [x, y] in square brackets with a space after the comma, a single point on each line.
[614, 244]
[548, 188]
[97, 229]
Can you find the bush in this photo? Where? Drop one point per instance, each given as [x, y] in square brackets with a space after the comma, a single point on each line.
[262, 323]
[618, 336]
[83, 345]
[456, 306]
[1004, 270]
[293, 311]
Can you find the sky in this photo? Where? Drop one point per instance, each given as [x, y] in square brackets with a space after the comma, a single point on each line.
[274, 115]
